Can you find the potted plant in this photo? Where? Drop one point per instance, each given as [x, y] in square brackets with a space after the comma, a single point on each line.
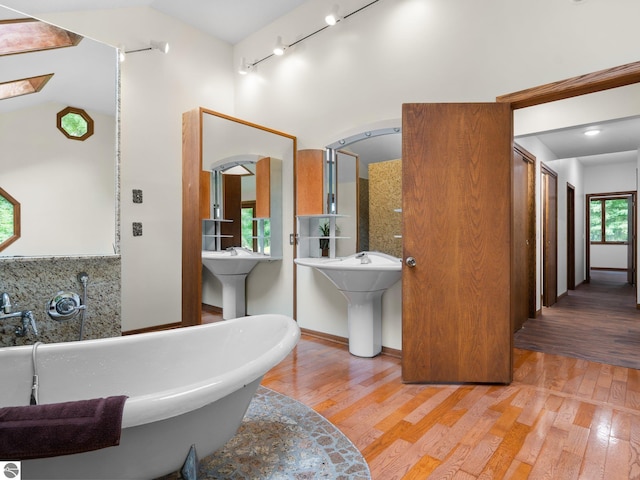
[324, 242]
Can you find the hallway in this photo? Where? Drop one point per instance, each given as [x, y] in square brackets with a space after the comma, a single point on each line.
[597, 321]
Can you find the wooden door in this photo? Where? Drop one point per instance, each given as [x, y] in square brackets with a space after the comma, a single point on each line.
[457, 209]
[549, 237]
[523, 232]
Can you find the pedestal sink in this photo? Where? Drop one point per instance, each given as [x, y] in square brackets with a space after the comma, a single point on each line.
[231, 267]
[362, 278]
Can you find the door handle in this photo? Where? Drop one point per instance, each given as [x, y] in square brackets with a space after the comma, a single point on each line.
[410, 261]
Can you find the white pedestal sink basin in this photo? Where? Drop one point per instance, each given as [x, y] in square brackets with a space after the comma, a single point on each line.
[362, 278]
[231, 267]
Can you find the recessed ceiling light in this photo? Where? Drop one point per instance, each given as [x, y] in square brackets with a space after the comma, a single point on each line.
[591, 133]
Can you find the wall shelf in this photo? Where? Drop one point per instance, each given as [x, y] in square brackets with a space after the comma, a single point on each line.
[308, 228]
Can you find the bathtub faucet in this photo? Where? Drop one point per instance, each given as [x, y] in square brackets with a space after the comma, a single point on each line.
[364, 258]
[5, 303]
[28, 320]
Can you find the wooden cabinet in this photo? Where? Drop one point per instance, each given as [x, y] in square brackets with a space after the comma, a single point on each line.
[310, 182]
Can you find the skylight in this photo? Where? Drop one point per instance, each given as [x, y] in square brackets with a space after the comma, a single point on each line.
[29, 35]
[24, 86]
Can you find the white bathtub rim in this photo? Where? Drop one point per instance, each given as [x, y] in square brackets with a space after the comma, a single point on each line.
[163, 404]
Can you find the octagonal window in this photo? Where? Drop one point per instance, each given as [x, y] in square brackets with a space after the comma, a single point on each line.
[75, 123]
[9, 219]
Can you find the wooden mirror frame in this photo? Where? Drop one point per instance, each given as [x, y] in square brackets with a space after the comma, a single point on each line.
[192, 133]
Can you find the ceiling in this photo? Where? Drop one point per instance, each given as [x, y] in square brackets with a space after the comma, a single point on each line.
[232, 21]
[618, 141]
[228, 20]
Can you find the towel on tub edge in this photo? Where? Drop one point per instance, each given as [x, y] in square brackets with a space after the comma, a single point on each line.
[50, 430]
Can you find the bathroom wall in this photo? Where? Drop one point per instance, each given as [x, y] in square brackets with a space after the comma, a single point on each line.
[360, 72]
[333, 84]
[156, 90]
[32, 282]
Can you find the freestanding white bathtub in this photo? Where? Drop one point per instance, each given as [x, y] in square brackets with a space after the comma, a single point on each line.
[189, 386]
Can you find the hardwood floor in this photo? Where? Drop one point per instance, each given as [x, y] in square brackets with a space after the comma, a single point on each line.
[597, 321]
[561, 418]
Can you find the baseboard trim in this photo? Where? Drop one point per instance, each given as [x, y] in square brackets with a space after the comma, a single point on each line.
[155, 328]
[211, 309]
[391, 352]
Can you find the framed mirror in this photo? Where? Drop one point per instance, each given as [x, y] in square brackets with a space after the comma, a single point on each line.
[366, 177]
[67, 189]
[214, 143]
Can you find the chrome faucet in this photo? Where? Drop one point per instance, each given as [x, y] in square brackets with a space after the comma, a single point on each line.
[5, 303]
[28, 320]
[232, 250]
[364, 258]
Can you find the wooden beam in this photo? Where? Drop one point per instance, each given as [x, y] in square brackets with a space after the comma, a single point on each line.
[619, 76]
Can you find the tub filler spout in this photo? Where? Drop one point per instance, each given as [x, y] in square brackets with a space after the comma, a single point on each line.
[28, 320]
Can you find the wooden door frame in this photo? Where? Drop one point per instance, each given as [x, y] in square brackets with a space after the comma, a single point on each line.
[531, 220]
[598, 81]
[571, 237]
[549, 299]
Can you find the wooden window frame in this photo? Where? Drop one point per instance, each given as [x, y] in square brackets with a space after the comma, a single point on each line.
[16, 219]
[78, 111]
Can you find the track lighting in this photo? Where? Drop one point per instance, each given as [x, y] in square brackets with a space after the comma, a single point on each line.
[153, 45]
[332, 18]
[280, 47]
[244, 67]
[160, 45]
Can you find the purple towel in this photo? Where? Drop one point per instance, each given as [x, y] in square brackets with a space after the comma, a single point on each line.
[40, 431]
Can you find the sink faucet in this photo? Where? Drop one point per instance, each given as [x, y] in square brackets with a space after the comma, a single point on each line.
[232, 250]
[364, 258]
[28, 320]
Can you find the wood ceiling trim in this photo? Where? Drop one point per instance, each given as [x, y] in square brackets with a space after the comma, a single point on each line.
[619, 76]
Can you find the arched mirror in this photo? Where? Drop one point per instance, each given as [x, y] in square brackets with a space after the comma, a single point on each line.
[234, 214]
[66, 188]
[364, 181]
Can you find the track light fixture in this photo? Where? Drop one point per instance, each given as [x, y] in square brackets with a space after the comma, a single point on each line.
[332, 17]
[153, 45]
[160, 45]
[280, 47]
[244, 67]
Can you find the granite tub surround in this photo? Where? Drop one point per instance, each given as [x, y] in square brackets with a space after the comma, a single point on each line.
[32, 282]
